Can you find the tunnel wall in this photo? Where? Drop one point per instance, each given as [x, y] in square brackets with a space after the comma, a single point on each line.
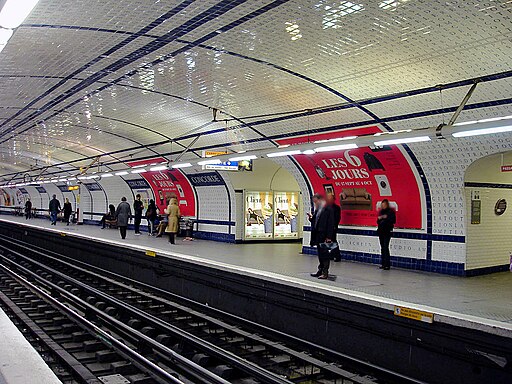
[439, 246]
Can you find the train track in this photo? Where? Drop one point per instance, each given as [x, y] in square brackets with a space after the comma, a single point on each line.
[187, 340]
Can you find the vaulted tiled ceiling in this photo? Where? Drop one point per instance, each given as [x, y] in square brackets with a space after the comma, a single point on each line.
[139, 78]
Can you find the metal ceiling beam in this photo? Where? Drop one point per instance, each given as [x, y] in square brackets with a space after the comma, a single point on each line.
[462, 104]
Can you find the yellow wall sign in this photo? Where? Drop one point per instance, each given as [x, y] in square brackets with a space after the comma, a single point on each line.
[151, 253]
[414, 314]
[214, 153]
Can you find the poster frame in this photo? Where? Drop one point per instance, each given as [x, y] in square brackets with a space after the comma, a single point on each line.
[244, 235]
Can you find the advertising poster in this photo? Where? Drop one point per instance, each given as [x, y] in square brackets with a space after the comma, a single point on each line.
[6, 199]
[167, 184]
[172, 183]
[361, 178]
[286, 212]
[259, 212]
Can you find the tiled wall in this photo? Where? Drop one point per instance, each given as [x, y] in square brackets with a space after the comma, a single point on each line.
[490, 242]
[440, 246]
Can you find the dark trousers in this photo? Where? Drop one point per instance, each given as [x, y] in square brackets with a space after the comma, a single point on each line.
[122, 230]
[136, 223]
[171, 237]
[323, 266]
[384, 239]
[28, 215]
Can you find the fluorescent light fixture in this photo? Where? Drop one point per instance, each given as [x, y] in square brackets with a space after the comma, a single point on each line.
[139, 166]
[63, 180]
[107, 175]
[122, 173]
[206, 162]
[392, 132]
[241, 158]
[485, 131]
[340, 147]
[139, 170]
[283, 153]
[182, 165]
[158, 168]
[283, 146]
[14, 12]
[82, 177]
[308, 152]
[54, 180]
[92, 177]
[336, 139]
[404, 140]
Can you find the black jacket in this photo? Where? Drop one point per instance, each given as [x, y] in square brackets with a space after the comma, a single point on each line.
[138, 207]
[386, 225]
[322, 225]
[67, 209]
[54, 205]
[151, 212]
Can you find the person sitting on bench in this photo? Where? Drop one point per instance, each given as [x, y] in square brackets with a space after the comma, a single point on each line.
[110, 217]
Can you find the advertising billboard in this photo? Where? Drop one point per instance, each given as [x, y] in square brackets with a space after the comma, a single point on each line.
[258, 215]
[286, 215]
[172, 183]
[361, 178]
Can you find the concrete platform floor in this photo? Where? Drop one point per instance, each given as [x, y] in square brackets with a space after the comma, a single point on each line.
[488, 297]
[19, 361]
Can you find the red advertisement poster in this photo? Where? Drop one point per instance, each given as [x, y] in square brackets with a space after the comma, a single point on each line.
[361, 178]
[172, 183]
[167, 184]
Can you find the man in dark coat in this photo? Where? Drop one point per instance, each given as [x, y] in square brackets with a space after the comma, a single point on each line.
[331, 202]
[138, 207]
[324, 233]
[385, 223]
[54, 208]
[123, 215]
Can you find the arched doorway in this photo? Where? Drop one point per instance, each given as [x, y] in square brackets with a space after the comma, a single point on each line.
[488, 195]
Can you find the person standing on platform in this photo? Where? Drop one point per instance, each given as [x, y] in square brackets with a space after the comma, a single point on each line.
[123, 215]
[28, 209]
[151, 216]
[138, 207]
[336, 209]
[324, 228]
[385, 223]
[173, 212]
[67, 211]
[54, 209]
[109, 216]
[317, 198]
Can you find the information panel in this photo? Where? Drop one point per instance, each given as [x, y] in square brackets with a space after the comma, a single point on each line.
[258, 215]
[286, 215]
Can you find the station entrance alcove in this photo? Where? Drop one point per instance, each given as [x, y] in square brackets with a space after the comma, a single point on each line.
[488, 196]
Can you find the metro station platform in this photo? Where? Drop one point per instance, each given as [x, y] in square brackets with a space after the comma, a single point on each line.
[16, 355]
[476, 302]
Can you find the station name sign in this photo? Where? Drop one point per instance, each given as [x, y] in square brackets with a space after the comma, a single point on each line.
[138, 184]
[206, 179]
